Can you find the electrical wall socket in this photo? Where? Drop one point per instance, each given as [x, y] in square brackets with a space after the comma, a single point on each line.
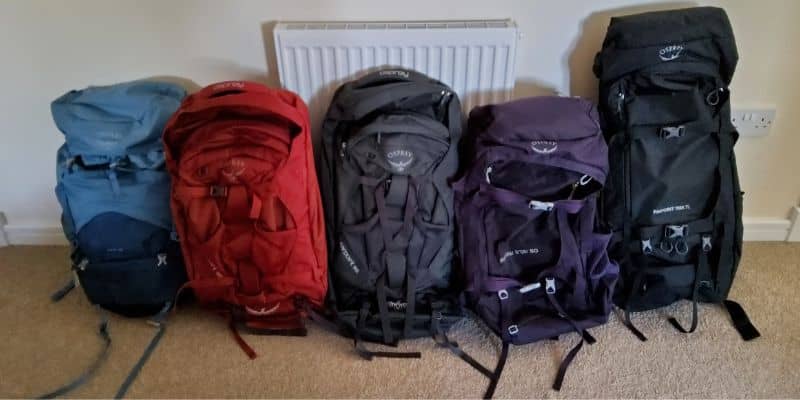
[753, 121]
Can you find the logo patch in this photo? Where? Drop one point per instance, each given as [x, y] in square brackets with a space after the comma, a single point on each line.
[683, 207]
[402, 74]
[544, 146]
[400, 159]
[397, 305]
[670, 53]
[349, 258]
[517, 252]
[262, 311]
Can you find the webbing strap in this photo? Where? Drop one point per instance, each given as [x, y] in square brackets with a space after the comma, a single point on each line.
[702, 265]
[238, 338]
[159, 322]
[585, 337]
[741, 321]
[441, 339]
[63, 291]
[383, 310]
[498, 370]
[632, 291]
[92, 369]
[367, 354]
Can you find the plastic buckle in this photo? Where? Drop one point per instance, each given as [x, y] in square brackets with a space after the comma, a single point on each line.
[513, 330]
[706, 243]
[503, 294]
[676, 231]
[218, 191]
[647, 246]
[550, 285]
[672, 132]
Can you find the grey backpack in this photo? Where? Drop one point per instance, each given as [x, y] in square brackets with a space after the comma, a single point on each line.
[388, 152]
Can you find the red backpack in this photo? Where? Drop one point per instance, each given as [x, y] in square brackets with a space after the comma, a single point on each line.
[247, 206]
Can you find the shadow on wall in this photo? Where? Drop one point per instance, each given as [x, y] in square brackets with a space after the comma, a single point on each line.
[270, 55]
[580, 60]
[531, 88]
[188, 84]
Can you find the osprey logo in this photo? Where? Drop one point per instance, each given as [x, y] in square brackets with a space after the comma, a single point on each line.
[233, 168]
[684, 207]
[400, 73]
[349, 258]
[544, 146]
[262, 311]
[397, 305]
[517, 252]
[400, 159]
[670, 53]
[228, 86]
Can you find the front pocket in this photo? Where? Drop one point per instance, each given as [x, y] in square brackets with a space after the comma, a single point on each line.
[673, 171]
[143, 284]
[518, 246]
[271, 250]
[664, 285]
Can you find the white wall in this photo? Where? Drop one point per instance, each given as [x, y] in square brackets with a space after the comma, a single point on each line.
[50, 47]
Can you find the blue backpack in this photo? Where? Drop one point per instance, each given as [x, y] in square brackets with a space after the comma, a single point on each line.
[114, 194]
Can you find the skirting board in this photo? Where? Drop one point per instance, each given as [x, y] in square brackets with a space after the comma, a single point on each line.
[755, 229]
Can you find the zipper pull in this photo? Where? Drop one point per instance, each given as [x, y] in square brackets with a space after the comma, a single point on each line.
[343, 149]
[487, 173]
[581, 182]
[620, 101]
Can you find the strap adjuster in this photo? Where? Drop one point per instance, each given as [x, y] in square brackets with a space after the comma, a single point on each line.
[217, 191]
[513, 330]
[550, 285]
[502, 294]
[540, 205]
[706, 243]
[647, 246]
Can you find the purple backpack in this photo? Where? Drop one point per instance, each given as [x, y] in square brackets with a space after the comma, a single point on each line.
[535, 262]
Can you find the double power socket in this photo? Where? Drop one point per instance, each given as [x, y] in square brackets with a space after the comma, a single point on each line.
[753, 121]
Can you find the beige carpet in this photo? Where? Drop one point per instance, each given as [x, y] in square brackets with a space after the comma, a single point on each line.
[43, 345]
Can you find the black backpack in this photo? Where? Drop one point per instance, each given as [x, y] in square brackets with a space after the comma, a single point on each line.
[672, 198]
[389, 145]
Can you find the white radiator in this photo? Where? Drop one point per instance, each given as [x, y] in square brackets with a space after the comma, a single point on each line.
[475, 58]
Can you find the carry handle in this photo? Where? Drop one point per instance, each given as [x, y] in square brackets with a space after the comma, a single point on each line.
[229, 87]
[244, 93]
[389, 75]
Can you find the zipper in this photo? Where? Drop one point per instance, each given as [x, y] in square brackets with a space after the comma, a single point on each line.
[343, 150]
[581, 182]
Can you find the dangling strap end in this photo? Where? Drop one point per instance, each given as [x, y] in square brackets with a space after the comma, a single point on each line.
[63, 291]
[741, 321]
